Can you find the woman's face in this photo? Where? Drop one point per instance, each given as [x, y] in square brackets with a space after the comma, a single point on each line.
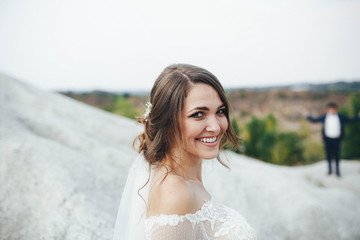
[203, 122]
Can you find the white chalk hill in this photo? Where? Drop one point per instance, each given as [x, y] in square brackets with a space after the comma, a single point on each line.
[63, 165]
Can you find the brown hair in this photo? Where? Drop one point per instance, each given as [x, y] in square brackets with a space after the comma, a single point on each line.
[332, 105]
[162, 127]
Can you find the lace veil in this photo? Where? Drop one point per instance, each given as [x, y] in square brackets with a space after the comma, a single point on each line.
[130, 222]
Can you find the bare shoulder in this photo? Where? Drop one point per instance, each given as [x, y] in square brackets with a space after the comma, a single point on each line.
[173, 195]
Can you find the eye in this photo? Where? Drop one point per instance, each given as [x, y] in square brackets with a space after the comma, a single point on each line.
[221, 111]
[197, 115]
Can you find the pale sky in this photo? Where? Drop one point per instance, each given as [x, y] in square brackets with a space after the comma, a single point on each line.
[124, 45]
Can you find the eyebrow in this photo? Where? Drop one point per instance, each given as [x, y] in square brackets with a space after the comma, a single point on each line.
[205, 108]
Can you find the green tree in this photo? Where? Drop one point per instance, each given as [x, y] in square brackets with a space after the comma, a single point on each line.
[254, 132]
[260, 137]
[264, 141]
[351, 143]
[123, 106]
[289, 149]
[268, 139]
[313, 149]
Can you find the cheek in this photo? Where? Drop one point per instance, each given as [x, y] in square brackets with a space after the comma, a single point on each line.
[190, 130]
[224, 124]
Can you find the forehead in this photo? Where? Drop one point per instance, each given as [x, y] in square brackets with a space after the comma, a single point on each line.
[202, 95]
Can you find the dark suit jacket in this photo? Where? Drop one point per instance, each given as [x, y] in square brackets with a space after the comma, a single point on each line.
[343, 119]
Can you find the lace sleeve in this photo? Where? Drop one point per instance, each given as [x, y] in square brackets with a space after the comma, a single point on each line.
[212, 221]
[175, 227]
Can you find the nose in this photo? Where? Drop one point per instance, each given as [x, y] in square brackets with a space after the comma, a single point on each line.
[213, 125]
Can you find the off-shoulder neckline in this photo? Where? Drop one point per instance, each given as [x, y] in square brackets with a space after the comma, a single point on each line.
[205, 205]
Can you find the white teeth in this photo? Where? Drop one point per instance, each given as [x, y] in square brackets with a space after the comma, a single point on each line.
[208, 140]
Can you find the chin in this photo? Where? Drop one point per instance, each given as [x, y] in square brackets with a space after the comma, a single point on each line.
[208, 159]
[209, 156]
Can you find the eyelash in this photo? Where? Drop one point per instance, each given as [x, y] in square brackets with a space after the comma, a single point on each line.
[220, 111]
[195, 114]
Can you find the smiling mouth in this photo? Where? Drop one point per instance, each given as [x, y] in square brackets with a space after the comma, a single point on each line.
[208, 139]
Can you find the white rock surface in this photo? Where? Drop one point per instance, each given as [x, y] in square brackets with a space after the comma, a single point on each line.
[63, 165]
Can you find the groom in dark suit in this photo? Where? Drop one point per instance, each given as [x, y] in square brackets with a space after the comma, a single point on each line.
[332, 133]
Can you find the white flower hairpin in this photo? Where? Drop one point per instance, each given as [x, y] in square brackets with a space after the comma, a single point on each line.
[147, 111]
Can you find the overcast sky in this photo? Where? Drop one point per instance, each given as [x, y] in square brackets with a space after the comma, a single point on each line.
[124, 45]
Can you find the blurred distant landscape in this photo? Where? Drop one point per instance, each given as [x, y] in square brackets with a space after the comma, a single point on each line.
[270, 119]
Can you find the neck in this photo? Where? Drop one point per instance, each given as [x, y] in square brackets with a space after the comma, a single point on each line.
[185, 166]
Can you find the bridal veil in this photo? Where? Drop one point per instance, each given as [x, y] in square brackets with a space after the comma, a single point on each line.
[130, 222]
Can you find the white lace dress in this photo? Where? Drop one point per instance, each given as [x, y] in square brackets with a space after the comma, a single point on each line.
[212, 221]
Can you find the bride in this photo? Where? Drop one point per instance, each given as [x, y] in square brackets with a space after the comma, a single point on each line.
[186, 121]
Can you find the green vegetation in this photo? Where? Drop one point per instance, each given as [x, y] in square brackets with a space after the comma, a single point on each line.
[259, 137]
[263, 140]
[282, 95]
[289, 149]
[313, 150]
[123, 106]
[350, 146]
